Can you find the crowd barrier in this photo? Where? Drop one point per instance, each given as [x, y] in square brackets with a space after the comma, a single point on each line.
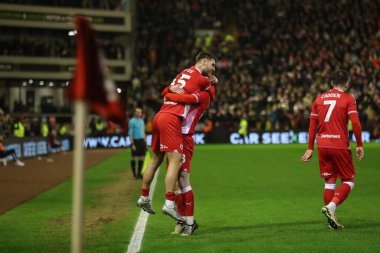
[221, 136]
[34, 146]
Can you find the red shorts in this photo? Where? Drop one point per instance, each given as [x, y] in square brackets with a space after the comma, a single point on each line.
[188, 149]
[166, 133]
[336, 163]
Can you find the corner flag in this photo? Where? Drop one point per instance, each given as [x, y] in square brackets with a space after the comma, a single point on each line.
[91, 88]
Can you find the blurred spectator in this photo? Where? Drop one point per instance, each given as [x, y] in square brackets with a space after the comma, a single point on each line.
[18, 128]
[274, 57]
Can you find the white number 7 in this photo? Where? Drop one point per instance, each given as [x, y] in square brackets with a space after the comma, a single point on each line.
[331, 104]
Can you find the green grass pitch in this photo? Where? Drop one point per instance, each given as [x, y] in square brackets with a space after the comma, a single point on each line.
[248, 199]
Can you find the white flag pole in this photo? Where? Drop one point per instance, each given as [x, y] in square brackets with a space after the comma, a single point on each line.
[78, 172]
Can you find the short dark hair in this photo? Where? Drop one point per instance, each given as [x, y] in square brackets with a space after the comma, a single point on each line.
[339, 77]
[204, 55]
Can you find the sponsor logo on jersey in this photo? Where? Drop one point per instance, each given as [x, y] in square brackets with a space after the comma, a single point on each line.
[330, 136]
[325, 174]
[170, 103]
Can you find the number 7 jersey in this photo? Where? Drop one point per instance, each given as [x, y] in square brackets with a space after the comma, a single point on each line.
[332, 110]
[192, 81]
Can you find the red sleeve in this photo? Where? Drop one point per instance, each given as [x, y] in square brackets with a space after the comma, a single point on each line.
[312, 132]
[205, 83]
[183, 98]
[165, 91]
[211, 92]
[356, 127]
[352, 105]
[314, 111]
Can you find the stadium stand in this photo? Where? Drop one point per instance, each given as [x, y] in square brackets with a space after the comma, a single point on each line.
[273, 58]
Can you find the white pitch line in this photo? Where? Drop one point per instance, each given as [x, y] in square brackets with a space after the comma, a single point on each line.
[138, 234]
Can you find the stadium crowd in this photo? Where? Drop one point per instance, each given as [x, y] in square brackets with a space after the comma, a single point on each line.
[26, 42]
[274, 57]
[88, 4]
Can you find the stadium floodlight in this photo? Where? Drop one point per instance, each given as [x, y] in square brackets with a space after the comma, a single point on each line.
[41, 83]
[118, 90]
[51, 84]
[24, 83]
[30, 81]
[72, 33]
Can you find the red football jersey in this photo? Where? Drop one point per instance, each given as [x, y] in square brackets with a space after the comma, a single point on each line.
[195, 113]
[331, 109]
[192, 81]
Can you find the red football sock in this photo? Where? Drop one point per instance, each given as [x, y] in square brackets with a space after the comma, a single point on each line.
[328, 195]
[170, 196]
[189, 201]
[341, 193]
[180, 202]
[145, 192]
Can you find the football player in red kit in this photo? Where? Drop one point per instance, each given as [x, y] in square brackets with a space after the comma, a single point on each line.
[185, 196]
[167, 135]
[328, 120]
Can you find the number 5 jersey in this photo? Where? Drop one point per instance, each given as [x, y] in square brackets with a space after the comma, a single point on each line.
[192, 81]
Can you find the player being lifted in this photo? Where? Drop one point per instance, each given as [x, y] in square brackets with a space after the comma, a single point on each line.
[329, 116]
[167, 135]
[185, 196]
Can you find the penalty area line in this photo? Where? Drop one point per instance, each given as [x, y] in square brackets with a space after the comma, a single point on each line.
[138, 233]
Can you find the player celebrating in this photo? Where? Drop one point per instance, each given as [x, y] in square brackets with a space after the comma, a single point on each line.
[329, 114]
[167, 136]
[185, 197]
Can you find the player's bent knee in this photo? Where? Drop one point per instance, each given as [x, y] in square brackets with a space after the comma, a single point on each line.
[186, 189]
[330, 186]
[351, 184]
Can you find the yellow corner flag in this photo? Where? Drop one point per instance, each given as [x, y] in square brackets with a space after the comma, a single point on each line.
[146, 161]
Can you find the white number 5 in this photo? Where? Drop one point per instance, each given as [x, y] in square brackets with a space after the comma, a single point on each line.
[331, 104]
[181, 81]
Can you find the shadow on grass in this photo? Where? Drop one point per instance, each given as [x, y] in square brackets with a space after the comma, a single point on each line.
[207, 230]
[283, 225]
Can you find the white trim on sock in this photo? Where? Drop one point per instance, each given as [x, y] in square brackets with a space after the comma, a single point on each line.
[331, 206]
[190, 220]
[169, 203]
[330, 186]
[351, 184]
[186, 189]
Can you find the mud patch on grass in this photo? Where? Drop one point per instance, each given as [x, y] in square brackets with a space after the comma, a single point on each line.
[115, 199]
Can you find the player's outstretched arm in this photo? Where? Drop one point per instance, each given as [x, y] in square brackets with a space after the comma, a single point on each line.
[307, 156]
[312, 133]
[183, 98]
[357, 129]
[172, 88]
